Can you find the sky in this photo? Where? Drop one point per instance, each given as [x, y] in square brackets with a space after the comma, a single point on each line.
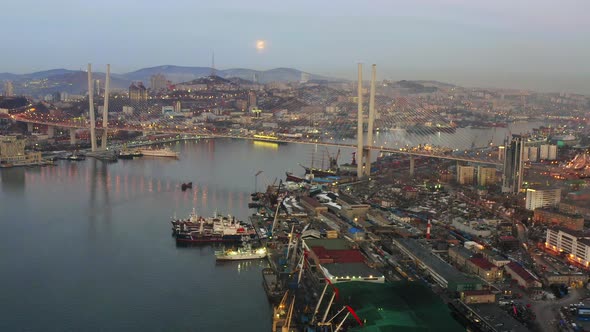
[527, 44]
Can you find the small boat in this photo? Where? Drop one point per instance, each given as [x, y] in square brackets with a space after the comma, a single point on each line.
[129, 154]
[186, 186]
[76, 157]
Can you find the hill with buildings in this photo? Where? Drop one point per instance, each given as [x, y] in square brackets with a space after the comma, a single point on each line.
[75, 81]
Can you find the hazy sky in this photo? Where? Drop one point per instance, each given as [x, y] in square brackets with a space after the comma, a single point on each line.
[539, 44]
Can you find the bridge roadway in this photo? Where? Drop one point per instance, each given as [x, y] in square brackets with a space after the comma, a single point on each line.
[210, 134]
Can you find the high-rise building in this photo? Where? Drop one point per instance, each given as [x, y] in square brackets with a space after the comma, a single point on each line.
[137, 92]
[486, 176]
[97, 87]
[501, 152]
[548, 152]
[8, 89]
[252, 100]
[533, 153]
[513, 165]
[465, 174]
[538, 198]
[158, 83]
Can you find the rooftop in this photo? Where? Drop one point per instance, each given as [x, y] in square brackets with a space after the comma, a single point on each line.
[482, 263]
[441, 267]
[399, 306]
[578, 234]
[494, 316]
[329, 244]
[524, 274]
[462, 251]
[476, 292]
[351, 269]
[311, 201]
[339, 256]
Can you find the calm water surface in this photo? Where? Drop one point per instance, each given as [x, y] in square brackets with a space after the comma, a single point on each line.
[87, 245]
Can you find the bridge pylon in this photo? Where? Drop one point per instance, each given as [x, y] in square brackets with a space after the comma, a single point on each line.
[91, 109]
[105, 109]
[364, 152]
[359, 132]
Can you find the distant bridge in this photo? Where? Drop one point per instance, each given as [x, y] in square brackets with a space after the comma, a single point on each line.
[210, 134]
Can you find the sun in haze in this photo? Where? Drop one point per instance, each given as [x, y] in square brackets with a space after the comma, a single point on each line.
[260, 45]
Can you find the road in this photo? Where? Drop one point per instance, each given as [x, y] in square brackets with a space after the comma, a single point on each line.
[547, 312]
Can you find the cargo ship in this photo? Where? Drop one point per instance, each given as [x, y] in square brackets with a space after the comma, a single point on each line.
[166, 152]
[245, 252]
[272, 286]
[198, 229]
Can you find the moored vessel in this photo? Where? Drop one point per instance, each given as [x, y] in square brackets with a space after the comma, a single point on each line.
[246, 252]
[197, 229]
[165, 152]
[76, 157]
[129, 154]
[272, 286]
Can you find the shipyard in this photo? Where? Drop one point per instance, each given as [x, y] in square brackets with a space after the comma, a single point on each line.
[185, 198]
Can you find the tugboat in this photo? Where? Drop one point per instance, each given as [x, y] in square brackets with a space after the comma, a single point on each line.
[76, 157]
[245, 252]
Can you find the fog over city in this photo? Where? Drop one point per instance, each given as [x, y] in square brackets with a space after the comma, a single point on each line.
[527, 44]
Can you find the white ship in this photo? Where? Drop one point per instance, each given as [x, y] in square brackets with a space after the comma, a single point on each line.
[166, 152]
[243, 253]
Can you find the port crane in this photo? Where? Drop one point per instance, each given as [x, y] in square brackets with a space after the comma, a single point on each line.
[330, 322]
[279, 202]
[282, 316]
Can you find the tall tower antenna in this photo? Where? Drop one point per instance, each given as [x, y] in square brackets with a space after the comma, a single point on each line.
[213, 63]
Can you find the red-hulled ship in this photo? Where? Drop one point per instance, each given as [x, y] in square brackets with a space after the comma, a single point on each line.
[294, 178]
[197, 229]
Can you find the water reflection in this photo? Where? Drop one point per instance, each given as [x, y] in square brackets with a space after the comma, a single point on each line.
[13, 181]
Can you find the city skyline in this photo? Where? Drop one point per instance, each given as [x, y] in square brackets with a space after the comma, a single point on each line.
[530, 45]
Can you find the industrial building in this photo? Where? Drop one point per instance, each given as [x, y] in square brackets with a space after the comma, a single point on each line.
[475, 263]
[338, 260]
[444, 274]
[523, 277]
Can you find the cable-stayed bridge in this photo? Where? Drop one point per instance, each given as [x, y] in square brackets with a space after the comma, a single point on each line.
[336, 128]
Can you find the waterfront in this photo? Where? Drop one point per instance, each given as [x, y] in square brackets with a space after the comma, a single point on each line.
[87, 246]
